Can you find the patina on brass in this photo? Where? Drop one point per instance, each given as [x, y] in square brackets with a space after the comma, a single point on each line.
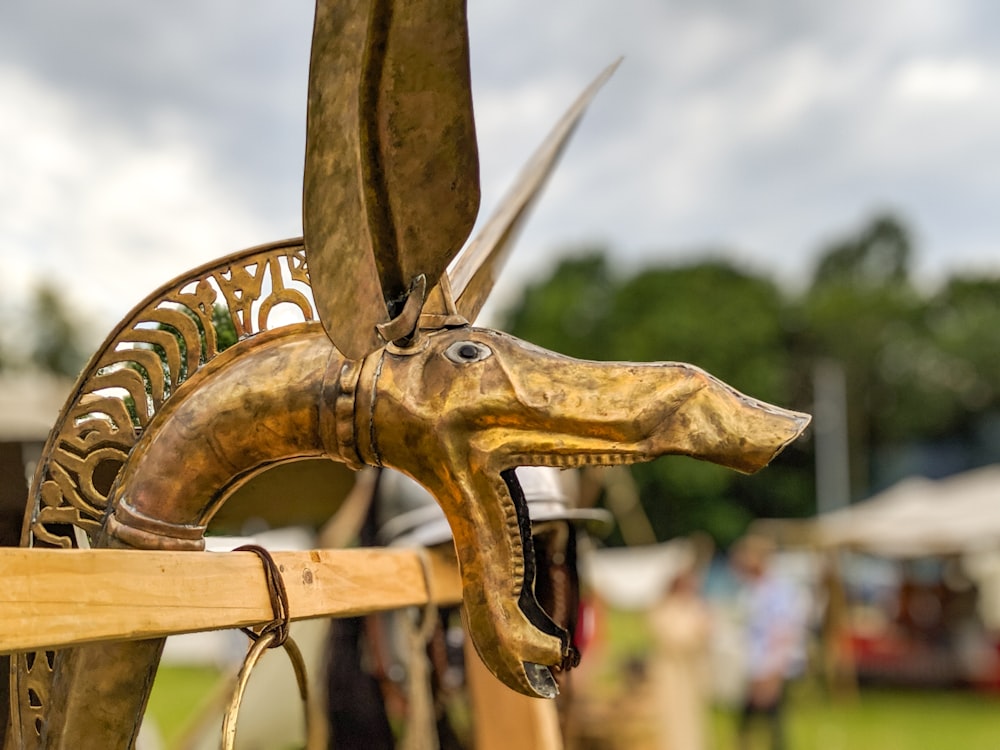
[391, 187]
[163, 428]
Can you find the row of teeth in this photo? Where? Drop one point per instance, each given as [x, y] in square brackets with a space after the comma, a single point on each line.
[579, 459]
[571, 461]
[514, 531]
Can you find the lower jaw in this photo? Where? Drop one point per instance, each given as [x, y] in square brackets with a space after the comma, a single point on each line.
[541, 680]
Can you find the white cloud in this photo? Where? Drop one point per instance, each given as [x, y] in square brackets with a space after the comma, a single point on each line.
[936, 81]
[108, 214]
[762, 126]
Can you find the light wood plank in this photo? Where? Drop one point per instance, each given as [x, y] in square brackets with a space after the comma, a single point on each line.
[503, 718]
[57, 598]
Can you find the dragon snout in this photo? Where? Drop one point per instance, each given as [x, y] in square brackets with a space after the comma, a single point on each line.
[719, 424]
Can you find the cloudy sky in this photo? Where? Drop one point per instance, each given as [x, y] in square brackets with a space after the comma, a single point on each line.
[140, 139]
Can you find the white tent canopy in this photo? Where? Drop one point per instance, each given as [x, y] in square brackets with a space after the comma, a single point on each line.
[636, 577]
[919, 516]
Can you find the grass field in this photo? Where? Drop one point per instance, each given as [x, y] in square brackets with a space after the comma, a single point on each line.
[178, 695]
[883, 720]
[874, 720]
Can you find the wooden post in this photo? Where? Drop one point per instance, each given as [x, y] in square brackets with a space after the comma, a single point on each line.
[504, 719]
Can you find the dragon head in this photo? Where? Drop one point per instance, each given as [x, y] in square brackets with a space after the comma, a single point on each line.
[460, 408]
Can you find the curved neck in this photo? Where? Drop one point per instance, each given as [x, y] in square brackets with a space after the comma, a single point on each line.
[263, 402]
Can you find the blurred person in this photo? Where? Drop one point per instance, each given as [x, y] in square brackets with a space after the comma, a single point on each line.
[681, 629]
[774, 639]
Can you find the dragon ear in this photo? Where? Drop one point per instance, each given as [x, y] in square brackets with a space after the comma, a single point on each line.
[391, 188]
[476, 270]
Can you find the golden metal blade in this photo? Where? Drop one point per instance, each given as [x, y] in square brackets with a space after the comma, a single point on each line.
[391, 186]
[476, 270]
[342, 269]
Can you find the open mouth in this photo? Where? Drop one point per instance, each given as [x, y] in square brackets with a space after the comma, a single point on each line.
[539, 676]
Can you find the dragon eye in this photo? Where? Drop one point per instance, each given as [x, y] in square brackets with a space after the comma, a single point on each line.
[463, 352]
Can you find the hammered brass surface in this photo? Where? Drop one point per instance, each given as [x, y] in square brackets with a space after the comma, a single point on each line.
[253, 406]
[334, 215]
[391, 186]
[163, 426]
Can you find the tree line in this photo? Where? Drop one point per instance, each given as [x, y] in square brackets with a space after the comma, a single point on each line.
[46, 336]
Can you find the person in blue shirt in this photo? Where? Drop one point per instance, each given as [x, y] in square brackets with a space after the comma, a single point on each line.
[774, 638]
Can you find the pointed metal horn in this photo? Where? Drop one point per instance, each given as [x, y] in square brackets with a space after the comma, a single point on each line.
[391, 186]
[476, 270]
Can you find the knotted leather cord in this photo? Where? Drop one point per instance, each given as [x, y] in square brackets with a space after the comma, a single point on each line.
[276, 592]
[429, 615]
[271, 635]
[421, 729]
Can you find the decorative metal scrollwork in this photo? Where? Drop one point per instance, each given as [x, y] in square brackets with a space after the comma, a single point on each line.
[164, 340]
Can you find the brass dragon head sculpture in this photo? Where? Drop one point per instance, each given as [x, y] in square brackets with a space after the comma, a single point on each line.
[392, 374]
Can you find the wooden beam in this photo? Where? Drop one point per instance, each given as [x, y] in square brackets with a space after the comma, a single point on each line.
[57, 598]
[503, 718]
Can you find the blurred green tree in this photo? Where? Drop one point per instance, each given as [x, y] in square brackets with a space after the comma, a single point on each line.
[55, 334]
[961, 360]
[922, 368]
[569, 312]
[863, 311]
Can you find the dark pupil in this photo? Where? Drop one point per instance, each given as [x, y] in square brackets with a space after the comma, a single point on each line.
[468, 351]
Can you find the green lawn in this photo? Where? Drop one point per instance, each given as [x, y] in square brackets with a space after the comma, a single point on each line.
[874, 720]
[883, 720]
[179, 693]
